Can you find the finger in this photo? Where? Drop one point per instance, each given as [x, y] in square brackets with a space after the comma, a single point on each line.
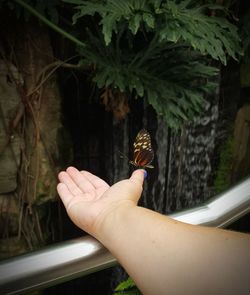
[96, 181]
[138, 176]
[64, 193]
[81, 180]
[73, 188]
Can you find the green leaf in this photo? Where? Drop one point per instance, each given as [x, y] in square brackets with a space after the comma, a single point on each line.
[139, 87]
[127, 287]
[107, 28]
[149, 20]
[134, 23]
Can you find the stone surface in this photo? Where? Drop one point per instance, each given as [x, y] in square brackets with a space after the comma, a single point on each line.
[10, 142]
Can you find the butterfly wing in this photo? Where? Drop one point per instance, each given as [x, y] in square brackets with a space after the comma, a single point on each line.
[143, 152]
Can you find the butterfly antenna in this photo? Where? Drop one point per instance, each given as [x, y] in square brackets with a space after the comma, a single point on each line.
[122, 155]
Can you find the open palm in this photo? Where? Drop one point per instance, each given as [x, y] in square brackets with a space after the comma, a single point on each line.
[87, 198]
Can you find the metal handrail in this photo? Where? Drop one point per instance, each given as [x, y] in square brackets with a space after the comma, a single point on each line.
[79, 257]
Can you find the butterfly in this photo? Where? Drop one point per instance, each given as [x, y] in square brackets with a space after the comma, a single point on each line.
[143, 153]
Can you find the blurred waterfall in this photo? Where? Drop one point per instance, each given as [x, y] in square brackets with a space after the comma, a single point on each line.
[184, 162]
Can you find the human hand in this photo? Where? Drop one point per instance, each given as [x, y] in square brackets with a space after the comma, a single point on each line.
[89, 200]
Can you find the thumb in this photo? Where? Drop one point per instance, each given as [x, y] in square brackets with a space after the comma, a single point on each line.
[137, 178]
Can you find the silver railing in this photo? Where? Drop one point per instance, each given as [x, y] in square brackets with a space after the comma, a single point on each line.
[79, 257]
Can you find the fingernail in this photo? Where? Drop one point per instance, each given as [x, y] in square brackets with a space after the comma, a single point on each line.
[145, 174]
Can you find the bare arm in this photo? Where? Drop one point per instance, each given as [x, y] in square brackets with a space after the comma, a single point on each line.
[163, 256]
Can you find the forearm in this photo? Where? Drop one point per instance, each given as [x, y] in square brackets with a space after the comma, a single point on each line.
[161, 255]
[166, 256]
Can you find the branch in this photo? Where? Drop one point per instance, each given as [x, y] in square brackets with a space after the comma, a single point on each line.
[49, 23]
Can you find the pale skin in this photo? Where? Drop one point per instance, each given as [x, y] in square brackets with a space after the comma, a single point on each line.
[161, 255]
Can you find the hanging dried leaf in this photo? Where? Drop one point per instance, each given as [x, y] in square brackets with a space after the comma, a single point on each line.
[116, 102]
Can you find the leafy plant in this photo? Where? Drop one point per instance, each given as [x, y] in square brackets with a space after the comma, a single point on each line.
[155, 72]
[173, 20]
[157, 50]
[127, 287]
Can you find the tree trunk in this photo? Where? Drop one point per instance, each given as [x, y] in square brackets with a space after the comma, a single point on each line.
[36, 118]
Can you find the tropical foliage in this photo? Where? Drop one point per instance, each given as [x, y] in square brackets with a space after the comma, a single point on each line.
[157, 50]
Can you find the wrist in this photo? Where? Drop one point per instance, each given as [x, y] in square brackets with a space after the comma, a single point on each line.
[111, 219]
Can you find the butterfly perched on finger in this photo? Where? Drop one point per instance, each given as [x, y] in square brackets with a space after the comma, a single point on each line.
[143, 153]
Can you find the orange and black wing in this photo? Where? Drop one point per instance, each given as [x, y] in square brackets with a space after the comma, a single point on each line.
[143, 152]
